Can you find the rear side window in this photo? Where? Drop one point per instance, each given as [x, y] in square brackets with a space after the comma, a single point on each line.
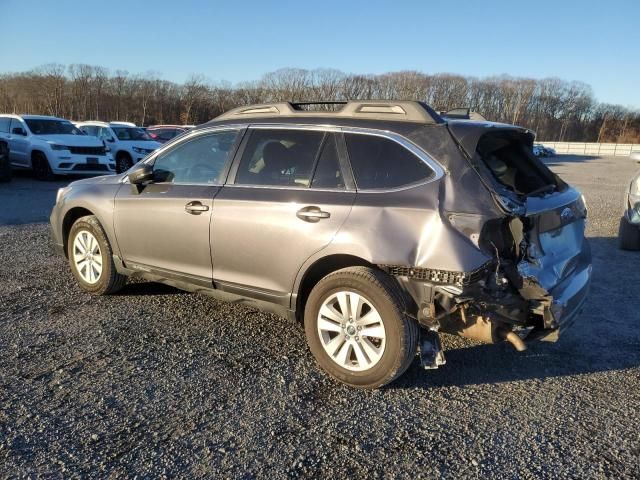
[379, 163]
[4, 124]
[280, 157]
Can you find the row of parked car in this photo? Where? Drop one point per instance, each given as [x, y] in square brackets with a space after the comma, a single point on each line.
[50, 145]
[540, 150]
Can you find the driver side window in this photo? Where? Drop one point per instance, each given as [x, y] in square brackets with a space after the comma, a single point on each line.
[200, 160]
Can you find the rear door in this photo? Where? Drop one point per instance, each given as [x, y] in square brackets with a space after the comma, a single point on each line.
[288, 197]
[165, 227]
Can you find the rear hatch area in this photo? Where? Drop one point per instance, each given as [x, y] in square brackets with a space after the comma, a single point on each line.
[538, 244]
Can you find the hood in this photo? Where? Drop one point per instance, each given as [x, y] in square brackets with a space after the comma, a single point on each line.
[102, 179]
[71, 140]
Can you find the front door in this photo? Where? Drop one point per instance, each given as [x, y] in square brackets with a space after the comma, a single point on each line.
[165, 226]
[287, 202]
[18, 144]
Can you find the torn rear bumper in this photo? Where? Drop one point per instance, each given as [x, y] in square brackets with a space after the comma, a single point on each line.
[505, 305]
[568, 299]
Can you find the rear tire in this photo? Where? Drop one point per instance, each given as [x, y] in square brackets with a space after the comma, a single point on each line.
[90, 258]
[628, 235]
[123, 162]
[390, 348]
[41, 168]
[5, 165]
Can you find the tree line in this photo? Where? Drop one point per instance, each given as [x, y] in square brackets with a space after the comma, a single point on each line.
[558, 110]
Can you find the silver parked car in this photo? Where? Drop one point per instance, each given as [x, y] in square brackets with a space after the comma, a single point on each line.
[379, 226]
[629, 232]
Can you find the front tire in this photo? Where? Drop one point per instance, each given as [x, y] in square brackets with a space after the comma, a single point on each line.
[90, 258]
[41, 168]
[357, 329]
[123, 162]
[628, 235]
[5, 163]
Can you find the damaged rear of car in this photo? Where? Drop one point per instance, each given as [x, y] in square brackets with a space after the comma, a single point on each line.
[526, 221]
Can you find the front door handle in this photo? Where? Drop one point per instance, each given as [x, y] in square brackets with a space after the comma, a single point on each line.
[195, 208]
[312, 214]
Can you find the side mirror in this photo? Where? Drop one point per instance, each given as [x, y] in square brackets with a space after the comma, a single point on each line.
[18, 131]
[140, 174]
[635, 156]
[111, 140]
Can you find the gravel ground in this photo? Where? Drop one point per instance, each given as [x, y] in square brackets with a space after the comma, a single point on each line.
[155, 382]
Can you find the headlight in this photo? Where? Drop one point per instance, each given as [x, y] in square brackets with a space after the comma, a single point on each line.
[583, 206]
[58, 147]
[62, 192]
[634, 188]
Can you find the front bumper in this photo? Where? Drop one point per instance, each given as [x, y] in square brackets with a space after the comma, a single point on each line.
[72, 164]
[55, 231]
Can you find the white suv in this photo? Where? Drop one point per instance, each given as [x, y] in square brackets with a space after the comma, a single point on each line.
[51, 145]
[129, 144]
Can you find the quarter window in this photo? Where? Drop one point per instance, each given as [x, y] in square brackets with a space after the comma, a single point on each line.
[379, 163]
[4, 124]
[200, 160]
[279, 157]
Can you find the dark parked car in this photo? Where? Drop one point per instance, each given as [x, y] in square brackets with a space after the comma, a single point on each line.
[164, 133]
[378, 225]
[629, 232]
[5, 165]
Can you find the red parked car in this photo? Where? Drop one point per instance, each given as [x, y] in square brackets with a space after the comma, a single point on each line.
[164, 133]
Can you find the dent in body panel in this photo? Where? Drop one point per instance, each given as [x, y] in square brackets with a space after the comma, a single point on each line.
[405, 228]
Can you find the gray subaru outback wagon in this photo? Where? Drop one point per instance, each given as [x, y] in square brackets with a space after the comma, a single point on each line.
[379, 225]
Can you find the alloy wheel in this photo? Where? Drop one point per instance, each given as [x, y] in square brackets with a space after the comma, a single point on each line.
[351, 331]
[87, 256]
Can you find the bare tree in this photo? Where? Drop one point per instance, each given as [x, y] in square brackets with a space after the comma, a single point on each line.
[554, 108]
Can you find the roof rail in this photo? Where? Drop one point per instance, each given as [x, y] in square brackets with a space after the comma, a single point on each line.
[408, 111]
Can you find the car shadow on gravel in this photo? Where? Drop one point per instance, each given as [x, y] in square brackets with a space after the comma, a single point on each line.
[604, 338]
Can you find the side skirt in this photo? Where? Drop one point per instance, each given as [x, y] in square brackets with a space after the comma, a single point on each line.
[232, 294]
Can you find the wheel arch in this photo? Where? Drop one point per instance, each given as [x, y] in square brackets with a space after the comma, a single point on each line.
[122, 152]
[36, 151]
[320, 269]
[69, 219]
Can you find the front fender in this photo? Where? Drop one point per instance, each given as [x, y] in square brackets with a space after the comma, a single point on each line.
[96, 198]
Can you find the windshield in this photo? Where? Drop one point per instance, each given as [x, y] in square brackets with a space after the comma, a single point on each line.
[130, 133]
[52, 127]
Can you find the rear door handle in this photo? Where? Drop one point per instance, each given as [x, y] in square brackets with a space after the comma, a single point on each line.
[195, 208]
[312, 214]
